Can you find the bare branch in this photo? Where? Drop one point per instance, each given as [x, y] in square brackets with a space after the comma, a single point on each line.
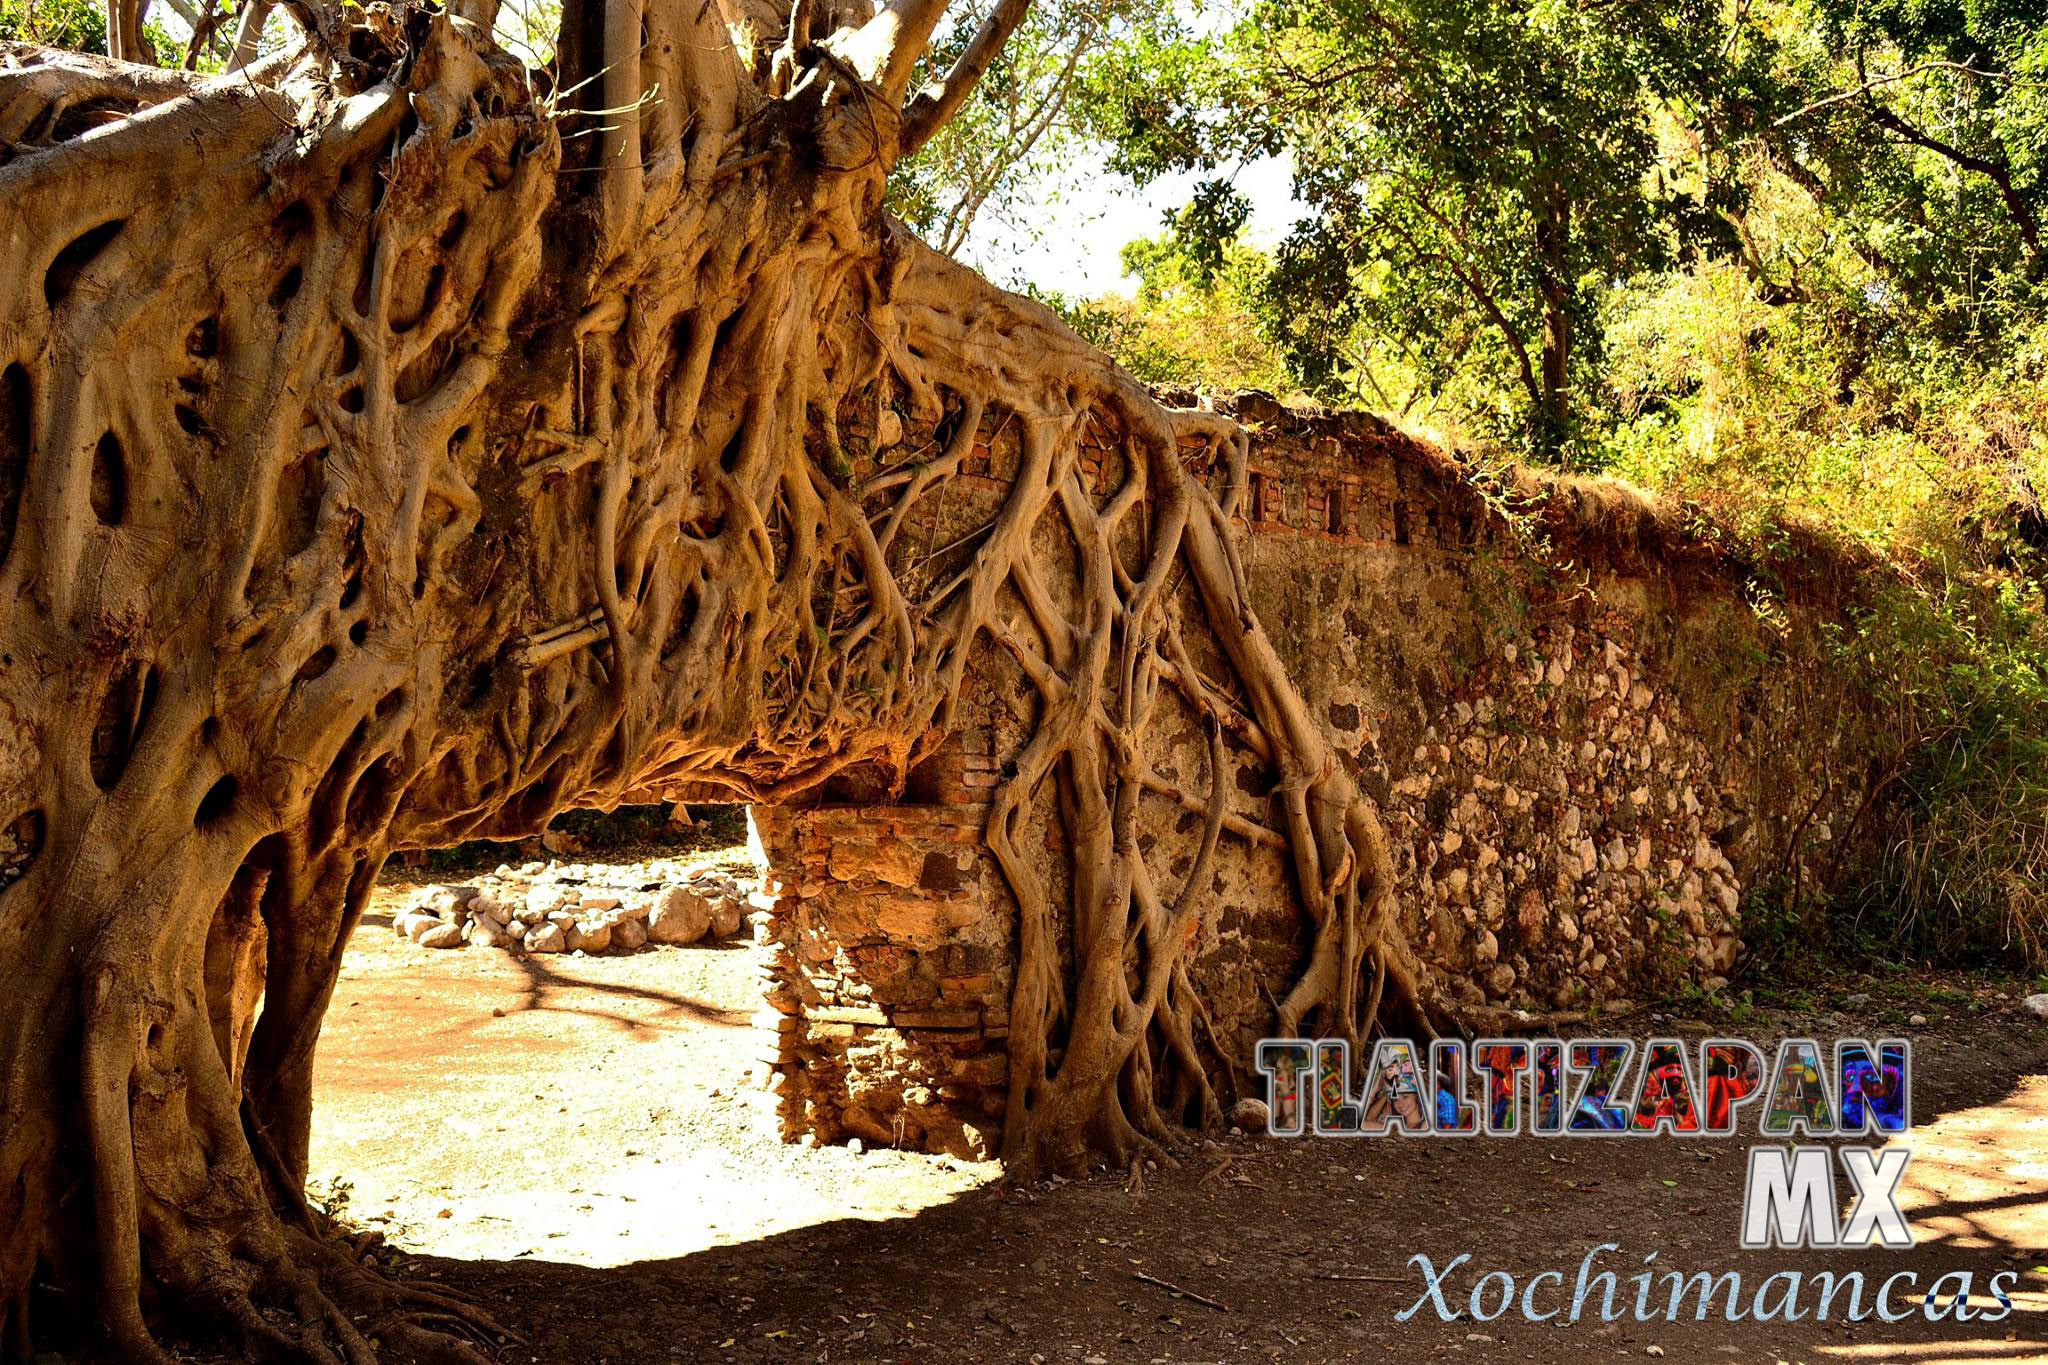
[885, 49]
[1994, 169]
[1022, 131]
[932, 107]
[1474, 285]
[1907, 73]
[124, 32]
[619, 168]
[203, 26]
[249, 33]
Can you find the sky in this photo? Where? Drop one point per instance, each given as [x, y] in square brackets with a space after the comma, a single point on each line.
[1070, 228]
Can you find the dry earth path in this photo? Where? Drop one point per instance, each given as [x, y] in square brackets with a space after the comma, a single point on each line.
[568, 1140]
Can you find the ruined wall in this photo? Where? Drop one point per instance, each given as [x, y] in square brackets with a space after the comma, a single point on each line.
[1589, 730]
[887, 954]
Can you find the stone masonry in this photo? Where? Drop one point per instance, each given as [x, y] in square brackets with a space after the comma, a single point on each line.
[886, 953]
[1590, 735]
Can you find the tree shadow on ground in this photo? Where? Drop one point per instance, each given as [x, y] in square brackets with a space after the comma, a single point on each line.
[545, 982]
[1304, 1249]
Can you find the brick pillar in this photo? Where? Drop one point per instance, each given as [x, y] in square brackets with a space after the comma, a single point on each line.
[887, 951]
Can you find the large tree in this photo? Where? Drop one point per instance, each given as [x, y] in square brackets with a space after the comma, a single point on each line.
[1475, 176]
[1921, 130]
[398, 444]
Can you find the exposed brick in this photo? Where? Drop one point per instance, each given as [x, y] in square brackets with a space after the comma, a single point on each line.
[936, 1019]
[844, 1014]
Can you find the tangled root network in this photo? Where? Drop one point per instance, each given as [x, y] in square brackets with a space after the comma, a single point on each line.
[398, 445]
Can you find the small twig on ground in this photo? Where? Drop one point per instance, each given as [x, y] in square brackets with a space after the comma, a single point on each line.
[1221, 1167]
[1362, 1279]
[1178, 1292]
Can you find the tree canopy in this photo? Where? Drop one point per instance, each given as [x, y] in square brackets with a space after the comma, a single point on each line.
[1486, 191]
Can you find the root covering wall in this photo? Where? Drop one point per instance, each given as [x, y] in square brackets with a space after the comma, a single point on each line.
[1590, 733]
[376, 474]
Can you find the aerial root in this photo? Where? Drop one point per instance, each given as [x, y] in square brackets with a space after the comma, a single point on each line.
[303, 1299]
[678, 588]
[1135, 1011]
[394, 1309]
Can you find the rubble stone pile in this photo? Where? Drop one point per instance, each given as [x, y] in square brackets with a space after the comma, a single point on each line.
[581, 908]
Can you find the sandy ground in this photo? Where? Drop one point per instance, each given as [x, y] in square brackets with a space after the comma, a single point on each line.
[569, 1141]
[590, 1110]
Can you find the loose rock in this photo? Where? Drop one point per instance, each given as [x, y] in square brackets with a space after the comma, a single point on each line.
[574, 907]
[442, 936]
[680, 915]
[417, 922]
[489, 931]
[1249, 1114]
[726, 917]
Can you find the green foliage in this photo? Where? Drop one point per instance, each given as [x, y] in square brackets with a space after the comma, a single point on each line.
[1488, 187]
[1963, 866]
[1190, 325]
[1779, 258]
[1805, 411]
[1475, 176]
[1922, 131]
[80, 25]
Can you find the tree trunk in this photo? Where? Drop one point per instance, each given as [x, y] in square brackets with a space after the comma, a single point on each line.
[391, 456]
[1553, 233]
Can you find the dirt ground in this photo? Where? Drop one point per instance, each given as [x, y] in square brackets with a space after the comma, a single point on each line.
[590, 1110]
[570, 1141]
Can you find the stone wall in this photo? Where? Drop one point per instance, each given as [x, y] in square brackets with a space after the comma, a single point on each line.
[1590, 732]
[886, 954]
